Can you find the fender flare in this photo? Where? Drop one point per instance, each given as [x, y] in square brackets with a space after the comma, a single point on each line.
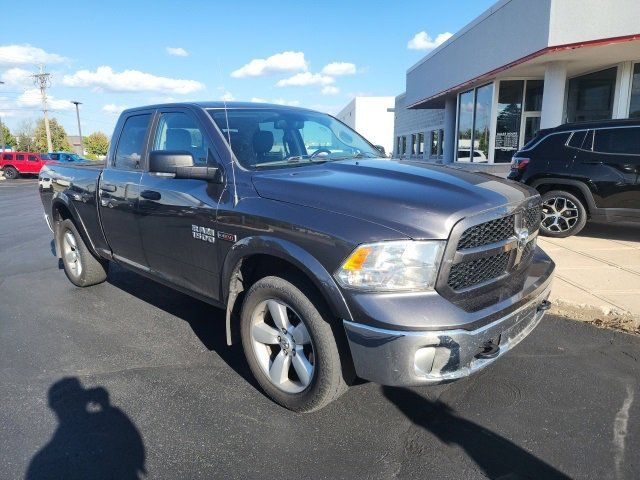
[584, 189]
[290, 252]
[62, 199]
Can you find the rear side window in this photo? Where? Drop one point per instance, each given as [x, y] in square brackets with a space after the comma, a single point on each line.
[20, 158]
[33, 158]
[577, 139]
[553, 145]
[7, 156]
[131, 144]
[617, 141]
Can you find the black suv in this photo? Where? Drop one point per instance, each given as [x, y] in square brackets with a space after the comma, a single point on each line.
[583, 171]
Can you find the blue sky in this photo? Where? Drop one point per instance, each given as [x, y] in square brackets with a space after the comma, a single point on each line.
[116, 54]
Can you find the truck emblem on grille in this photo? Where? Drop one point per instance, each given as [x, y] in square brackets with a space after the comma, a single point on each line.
[523, 237]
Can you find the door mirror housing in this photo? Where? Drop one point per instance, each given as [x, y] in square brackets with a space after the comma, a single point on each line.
[180, 164]
[380, 148]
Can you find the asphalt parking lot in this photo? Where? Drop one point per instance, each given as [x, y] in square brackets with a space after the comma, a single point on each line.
[140, 381]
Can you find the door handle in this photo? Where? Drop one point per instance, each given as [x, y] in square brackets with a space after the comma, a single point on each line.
[150, 195]
[107, 187]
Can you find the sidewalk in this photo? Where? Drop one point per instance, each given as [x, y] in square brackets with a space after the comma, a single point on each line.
[599, 268]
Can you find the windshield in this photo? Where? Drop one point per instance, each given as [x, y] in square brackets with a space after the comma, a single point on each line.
[271, 138]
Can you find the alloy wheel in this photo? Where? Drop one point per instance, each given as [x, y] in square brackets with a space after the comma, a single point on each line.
[71, 254]
[559, 214]
[282, 346]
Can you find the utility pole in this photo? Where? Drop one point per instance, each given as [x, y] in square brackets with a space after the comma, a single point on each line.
[2, 128]
[79, 129]
[42, 80]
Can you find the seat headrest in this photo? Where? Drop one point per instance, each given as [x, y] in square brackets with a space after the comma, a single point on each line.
[262, 141]
[178, 139]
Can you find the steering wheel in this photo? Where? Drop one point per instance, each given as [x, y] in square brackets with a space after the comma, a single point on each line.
[319, 151]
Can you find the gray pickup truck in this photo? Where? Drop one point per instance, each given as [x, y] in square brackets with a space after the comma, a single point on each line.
[332, 262]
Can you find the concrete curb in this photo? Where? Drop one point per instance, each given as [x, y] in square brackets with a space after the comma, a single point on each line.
[602, 317]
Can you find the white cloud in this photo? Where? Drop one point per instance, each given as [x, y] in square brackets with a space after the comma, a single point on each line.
[113, 109]
[339, 68]
[177, 51]
[422, 41]
[32, 98]
[304, 79]
[17, 77]
[259, 100]
[278, 63]
[26, 54]
[227, 96]
[330, 90]
[104, 78]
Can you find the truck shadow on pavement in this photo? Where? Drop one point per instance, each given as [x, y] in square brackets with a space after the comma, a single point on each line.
[93, 439]
[495, 456]
[206, 321]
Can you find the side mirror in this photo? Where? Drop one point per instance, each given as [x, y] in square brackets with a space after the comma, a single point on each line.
[380, 148]
[180, 164]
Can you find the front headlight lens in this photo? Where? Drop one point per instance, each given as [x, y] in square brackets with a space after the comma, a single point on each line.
[392, 266]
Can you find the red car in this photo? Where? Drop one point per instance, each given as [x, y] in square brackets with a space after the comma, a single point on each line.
[14, 164]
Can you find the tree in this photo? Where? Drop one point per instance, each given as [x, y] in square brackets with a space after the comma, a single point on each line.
[96, 144]
[5, 135]
[58, 137]
[25, 136]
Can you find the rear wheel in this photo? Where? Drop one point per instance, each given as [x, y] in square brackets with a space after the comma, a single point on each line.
[563, 214]
[10, 173]
[290, 346]
[80, 266]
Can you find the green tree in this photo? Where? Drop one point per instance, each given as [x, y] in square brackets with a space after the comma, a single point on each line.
[5, 135]
[96, 144]
[58, 137]
[25, 139]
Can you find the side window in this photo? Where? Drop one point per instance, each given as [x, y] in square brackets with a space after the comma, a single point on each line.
[19, 158]
[131, 143]
[553, 146]
[179, 131]
[33, 158]
[577, 139]
[617, 140]
[7, 156]
[55, 156]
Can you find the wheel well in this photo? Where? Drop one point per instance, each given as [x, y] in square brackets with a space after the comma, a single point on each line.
[547, 187]
[254, 267]
[61, 212]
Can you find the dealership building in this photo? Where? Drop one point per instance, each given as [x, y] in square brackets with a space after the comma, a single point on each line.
[371, 117]
[520, 66]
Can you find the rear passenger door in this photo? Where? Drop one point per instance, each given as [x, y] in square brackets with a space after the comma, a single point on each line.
[119, 189]
[614, 161]
[34, 163]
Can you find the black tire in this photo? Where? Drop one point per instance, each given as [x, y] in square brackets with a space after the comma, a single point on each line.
[10, 173]
[327, 382]
[92, 270]
[562, 227]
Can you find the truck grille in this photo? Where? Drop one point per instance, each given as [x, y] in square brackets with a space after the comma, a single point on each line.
[472, 268]
[467, 274]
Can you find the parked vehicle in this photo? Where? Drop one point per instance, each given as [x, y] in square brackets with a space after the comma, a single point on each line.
[464, 155]
[14, 164]
[329, 263]
[64, 157]
[583, 171]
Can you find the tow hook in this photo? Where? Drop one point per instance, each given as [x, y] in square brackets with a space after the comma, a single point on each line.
[544, 306]
[490, 348]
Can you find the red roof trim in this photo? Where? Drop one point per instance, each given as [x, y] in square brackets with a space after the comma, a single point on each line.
[544, 51]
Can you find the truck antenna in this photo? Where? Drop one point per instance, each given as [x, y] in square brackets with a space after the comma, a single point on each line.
[226, 118]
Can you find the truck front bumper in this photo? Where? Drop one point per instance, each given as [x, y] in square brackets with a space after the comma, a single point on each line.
[403, 358]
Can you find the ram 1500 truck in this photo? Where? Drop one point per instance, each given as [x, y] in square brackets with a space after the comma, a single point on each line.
[332, 262]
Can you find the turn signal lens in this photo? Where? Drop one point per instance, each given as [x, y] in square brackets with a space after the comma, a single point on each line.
[392, 266]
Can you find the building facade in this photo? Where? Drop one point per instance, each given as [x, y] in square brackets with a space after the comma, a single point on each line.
[521, 66]
[371, 117]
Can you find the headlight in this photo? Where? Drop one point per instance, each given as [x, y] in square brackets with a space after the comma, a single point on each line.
[392, 266]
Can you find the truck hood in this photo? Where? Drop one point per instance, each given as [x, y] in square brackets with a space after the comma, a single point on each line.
[415, 199]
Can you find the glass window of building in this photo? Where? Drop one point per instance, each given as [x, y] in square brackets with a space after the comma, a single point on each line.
[420, 144]
[509, 113]
[634, 106]
[533, 95]
[440, 142]
[482, 122]
[404, 145]
[433, 151]
[465, 125]
[591, 96]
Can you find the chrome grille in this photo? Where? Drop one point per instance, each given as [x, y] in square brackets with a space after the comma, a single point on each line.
[532, 217]
[467, 274]
[488, 232]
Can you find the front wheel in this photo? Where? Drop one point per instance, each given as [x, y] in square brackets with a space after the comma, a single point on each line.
[289, 345]
[10, 173]
[80, 266]
[563, 214]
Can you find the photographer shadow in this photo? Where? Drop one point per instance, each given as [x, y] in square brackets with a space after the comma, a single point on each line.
[93, 439]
